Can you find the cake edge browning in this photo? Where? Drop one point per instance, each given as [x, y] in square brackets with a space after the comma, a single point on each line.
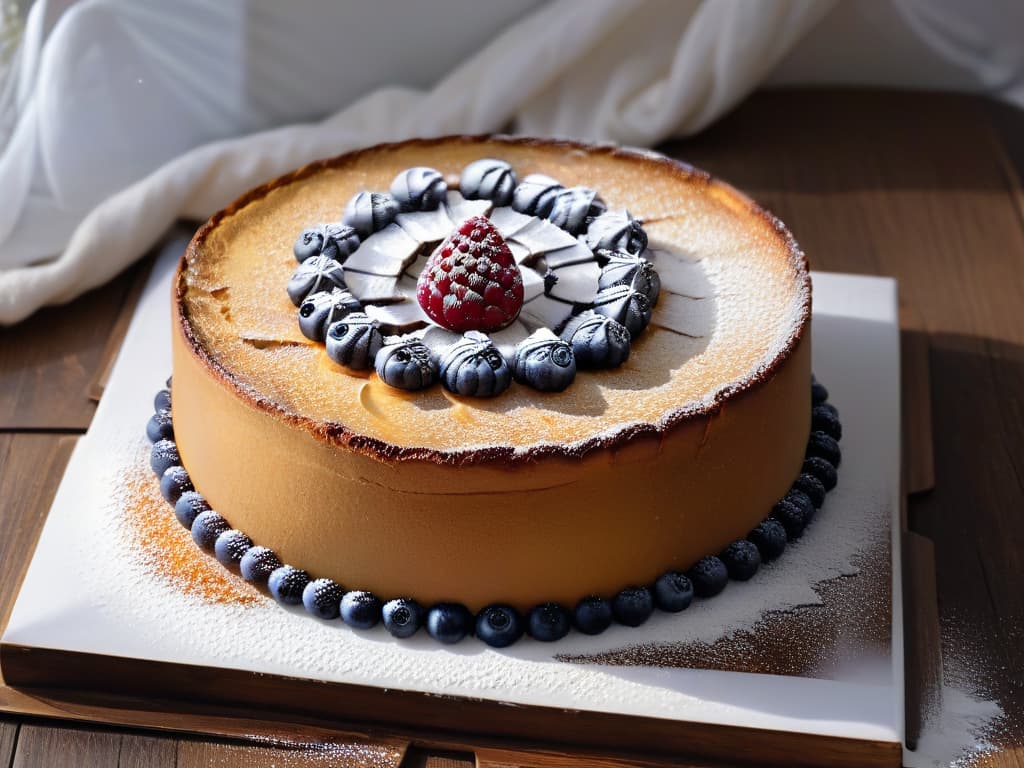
[334, 433]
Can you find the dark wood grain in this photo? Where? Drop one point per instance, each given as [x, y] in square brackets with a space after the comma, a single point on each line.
[8, 739]
[42, 747]
[31, 466]
[48, 363]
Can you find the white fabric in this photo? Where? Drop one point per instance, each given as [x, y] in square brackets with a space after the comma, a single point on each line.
[123, 109]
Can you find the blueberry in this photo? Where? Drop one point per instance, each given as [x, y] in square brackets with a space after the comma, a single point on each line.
[791, 516]
[825, 418]
[230, 546]
[258, 563]
[286, 584]
[633, 606]
[499, 625]
[825, 447]
[673, 592]
[811, 486]
[802, 500]
[163, 455]
[742, 559]
[821, 469]
[162, 400]
[402, 616]
[188, 507]
[159, 426]
[360, 609]
[449, 622]
[207, 527]
[309, 244]
[818, 392]
[548, 622]
[322, 598]
[709, 576]
[593, 615]
[770, 539]
[174, 482]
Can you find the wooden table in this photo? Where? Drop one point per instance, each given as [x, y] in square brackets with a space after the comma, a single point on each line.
[925, 188]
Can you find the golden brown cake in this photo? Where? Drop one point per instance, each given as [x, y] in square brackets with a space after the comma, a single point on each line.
[525, 497]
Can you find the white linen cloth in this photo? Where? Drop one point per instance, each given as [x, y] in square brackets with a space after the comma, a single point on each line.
[122, 109]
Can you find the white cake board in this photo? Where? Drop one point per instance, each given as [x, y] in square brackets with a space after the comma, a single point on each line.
[80, 597]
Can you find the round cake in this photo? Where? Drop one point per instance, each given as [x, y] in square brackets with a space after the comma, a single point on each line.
[530, 495]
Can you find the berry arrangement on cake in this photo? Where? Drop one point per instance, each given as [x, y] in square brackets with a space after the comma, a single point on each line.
[512, 386]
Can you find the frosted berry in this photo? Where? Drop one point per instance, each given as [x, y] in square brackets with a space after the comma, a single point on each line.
[673, 592]
[230, 547]
[633, 606]
[160, 426]
[792, 516]
[593, 615]
[322, 598]
[709, 576]
[162, 401]
[499, 625]
[813, 487]
[825, 418]
[188, 507]
[742, 559]
[402, 616]
[360, 609]
[163, 455]
[207, 527]
[258, 563]
[548, 622]
[818, 392]
[174, 482]
[471, 282]
[286, 584]
[825, 447]
[770, 539]
[821, 469]
[448, 623]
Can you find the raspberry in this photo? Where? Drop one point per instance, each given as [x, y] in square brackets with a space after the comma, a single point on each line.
[471, 282]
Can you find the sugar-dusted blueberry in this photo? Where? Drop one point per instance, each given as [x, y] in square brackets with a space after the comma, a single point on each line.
[499, 625]
[593, 615]
[818, 392]
[309, 243]
[633, 606]
[825, 447]
[403, 616]
[322, 598]
[821, 469]
[709, 576]
[802, 500]
[162, 400]
[287, 583]
[770, 539]
[160, 426]
[188, 507]
[360, 609]
[548, 622]
[207, 527]
[230, 546]
[174, 482]
[825, 418]
[448, 623]
[673, 592]
[163, 455]
[258, 563]
[792, 517]
[812, 486]
[742, 559]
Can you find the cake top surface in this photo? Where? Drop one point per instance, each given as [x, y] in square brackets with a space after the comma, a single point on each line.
[735, 301]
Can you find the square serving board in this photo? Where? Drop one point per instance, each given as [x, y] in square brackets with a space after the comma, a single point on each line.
[86, 620]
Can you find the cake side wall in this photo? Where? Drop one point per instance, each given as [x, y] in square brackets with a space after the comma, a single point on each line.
[556, 528]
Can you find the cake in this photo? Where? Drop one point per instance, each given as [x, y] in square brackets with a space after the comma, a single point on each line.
[367, 439]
